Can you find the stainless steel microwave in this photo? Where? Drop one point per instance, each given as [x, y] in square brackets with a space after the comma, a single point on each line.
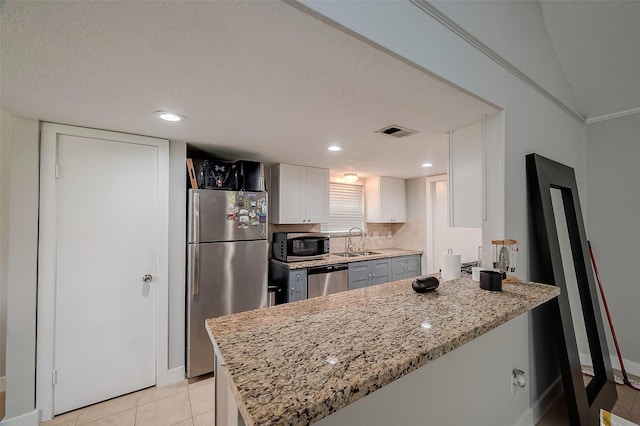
[299, 246]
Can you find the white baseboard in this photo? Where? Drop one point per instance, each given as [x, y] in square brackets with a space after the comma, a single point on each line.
[630, 366]
[3, 384]
[29, 419]
[176, 375]
[538, 409]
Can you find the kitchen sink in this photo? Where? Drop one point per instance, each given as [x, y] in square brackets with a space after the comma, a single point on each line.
[345, 254]
[364, 253]
[355, 253]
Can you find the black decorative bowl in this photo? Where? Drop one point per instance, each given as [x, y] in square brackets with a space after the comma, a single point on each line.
[425, 284]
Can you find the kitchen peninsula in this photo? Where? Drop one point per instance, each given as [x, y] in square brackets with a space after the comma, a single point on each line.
[300, 363]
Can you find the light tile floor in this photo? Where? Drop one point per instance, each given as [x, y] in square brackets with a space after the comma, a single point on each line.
[191, 404]
[180, 404]
[627, 406]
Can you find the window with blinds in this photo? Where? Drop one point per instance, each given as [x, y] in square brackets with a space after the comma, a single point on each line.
[346, 208]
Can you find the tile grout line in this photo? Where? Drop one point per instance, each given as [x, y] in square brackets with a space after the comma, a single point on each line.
[135, 415]
[190, 407]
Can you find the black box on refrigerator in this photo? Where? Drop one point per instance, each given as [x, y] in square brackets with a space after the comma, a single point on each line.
[249, 176]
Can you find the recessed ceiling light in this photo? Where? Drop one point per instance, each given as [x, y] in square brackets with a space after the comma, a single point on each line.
[350, 178]
[427, 164]
[169, 116]
[335, 148]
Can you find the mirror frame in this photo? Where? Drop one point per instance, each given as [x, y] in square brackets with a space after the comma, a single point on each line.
[583, 403]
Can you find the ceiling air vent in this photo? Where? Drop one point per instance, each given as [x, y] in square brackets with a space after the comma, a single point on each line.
[396, 131]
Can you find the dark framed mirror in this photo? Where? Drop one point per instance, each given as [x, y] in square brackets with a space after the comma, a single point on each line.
[563, 260]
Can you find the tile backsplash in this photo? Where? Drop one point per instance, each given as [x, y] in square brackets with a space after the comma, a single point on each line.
[408, 235]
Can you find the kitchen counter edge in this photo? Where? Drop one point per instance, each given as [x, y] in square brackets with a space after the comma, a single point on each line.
[515, 300]
[333, 259]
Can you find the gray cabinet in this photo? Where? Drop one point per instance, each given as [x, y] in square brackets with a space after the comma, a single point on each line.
[359, 275]
[292, 281]
[369, 272]
[405, 267]
[297, 285]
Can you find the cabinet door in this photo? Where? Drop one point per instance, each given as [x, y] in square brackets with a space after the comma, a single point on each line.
[359, 275]
[317, 195]
[297, 285]
[399, 200]
[291, 193]
[380, 270]
[372, 199]
[412, 267]
[465, 177]
[399, 267]
[387, 199]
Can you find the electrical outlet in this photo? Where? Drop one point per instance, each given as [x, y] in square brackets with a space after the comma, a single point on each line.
[517, 380]
[512, 385]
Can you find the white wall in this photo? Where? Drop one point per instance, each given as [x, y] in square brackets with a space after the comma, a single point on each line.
[533, 122]
[22, 262]
[411, 234]
[521, 38]
[22, 225]
[462, 241]
[613, 225]
[177, 256]
[5, 161]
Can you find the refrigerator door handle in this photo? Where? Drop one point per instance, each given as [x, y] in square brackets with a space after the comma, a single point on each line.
[195, 267]
[196, 217]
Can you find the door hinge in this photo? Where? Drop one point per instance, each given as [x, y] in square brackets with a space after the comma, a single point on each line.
[54, 377]
[57, 170]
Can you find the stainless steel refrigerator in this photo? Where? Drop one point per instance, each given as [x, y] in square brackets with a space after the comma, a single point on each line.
[227, 263]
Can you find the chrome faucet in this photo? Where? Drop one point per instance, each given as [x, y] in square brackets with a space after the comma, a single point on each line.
[350, 244]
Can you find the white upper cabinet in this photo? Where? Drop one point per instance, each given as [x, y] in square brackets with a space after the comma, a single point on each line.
[465, 177]
[385, 198]
[299, 194]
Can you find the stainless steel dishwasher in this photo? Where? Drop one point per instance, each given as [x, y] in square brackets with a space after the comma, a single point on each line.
[323, 280]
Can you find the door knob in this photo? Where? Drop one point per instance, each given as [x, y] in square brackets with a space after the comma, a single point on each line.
[147, 278]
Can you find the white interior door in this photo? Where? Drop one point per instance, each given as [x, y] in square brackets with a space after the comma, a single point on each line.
[107, 241]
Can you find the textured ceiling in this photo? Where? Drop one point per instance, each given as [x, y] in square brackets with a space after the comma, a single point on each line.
[598, 44]
[256, 80]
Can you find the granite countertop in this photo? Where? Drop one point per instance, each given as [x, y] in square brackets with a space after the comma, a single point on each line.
[333, 259]
[279, 358]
